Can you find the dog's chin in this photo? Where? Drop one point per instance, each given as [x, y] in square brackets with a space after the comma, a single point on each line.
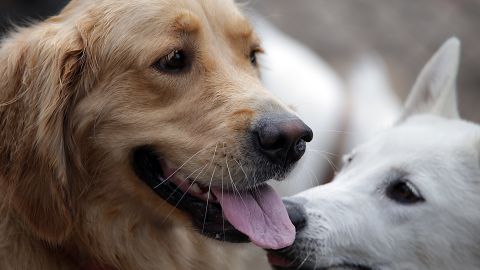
[192, 198]
[287, 260]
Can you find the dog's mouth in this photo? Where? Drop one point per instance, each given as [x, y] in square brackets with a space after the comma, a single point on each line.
[256, 215]
[282, 261]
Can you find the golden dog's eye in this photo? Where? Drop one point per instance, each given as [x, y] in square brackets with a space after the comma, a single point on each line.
[403, 192]
[174, 62]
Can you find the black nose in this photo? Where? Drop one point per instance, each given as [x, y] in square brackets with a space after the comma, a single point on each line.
[283, 139]
[296, 213]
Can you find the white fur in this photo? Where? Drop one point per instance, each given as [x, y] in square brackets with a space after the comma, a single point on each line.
[353, 220]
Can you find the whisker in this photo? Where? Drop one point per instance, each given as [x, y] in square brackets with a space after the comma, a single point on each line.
[191, 184]
[316, 262]
[290, 253]
[314, 180]
[334, 131]
[255, 190]
[208, 199]
[233, 184]
[305, 260]
[239, 194]
[177, 188]
[183, 196]
[323, 152]
[223, 216]
[241, 168]
[332, 164]
[179, 168]
[209, 189]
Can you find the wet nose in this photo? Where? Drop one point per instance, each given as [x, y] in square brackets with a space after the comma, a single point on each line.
[283, 139]
[296, 213]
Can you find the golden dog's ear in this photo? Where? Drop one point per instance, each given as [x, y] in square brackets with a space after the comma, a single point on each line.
[42, 165]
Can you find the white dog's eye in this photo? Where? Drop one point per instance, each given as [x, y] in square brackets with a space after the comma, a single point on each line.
[402, 191]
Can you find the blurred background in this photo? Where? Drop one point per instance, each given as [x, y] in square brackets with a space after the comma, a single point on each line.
[404, 33]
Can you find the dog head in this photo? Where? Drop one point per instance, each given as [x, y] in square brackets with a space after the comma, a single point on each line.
[142, 115]
[408, 198]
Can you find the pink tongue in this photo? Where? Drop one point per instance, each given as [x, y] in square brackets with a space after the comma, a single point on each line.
[260, 214]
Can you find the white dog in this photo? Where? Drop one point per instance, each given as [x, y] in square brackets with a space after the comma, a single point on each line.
[407, 199]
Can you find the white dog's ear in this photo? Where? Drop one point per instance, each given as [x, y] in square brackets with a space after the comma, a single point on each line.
[434, 91]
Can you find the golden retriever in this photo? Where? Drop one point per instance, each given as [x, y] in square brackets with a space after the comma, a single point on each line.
[135, 134]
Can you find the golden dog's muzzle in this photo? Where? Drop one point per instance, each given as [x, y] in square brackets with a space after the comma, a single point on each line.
[248, 210]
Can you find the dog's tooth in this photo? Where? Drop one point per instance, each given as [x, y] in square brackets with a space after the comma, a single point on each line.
[196, 188]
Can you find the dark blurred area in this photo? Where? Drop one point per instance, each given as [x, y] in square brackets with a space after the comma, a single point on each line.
[23, 12]
[405, 33]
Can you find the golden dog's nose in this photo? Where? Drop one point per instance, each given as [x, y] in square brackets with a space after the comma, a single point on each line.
[283, 139]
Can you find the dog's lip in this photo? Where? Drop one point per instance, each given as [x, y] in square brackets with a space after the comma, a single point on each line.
[186, 185]
[352, 266]
[206, 216]
[280, 261]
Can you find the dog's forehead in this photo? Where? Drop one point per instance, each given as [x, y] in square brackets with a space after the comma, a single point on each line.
[426, 132]
[143, 29]
[220, 16]
[455, 131]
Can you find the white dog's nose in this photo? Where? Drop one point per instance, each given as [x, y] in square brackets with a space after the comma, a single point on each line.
[296, 213]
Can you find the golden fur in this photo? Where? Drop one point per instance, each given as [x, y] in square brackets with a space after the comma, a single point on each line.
[77, 93]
